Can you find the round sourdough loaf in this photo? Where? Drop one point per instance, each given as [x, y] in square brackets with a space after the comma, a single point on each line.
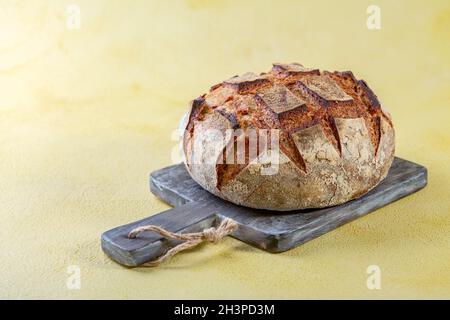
[335, 141]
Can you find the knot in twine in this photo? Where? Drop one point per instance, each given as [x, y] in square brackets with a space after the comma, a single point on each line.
[213, 235]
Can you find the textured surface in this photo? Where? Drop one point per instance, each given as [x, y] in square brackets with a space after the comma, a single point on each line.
[196, 209]
[335, 141]
[85, 116]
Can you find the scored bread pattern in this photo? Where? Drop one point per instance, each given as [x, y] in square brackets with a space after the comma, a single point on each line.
[280, 99]
[291, 98]
[323, 87]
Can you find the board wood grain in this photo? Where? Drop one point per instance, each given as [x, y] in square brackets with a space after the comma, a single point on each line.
[196, 209]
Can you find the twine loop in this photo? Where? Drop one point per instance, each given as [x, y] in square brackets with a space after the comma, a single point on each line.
[213, 235]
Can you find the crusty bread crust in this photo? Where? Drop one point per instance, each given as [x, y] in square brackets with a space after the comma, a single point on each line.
[336, 142]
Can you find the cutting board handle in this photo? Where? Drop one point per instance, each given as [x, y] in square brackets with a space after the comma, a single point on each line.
[190, 217]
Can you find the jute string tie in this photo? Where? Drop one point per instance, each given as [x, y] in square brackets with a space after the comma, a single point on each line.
[213, 235]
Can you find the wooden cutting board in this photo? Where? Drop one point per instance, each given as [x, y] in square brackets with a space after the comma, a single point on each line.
[196, 209]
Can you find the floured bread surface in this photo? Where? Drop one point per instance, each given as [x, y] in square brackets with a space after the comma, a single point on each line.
[334, 140]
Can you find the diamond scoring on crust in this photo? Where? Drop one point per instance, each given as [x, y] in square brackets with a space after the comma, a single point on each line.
[246, 77]
[247, 81]
[194, 112]
[280, 99]
[277, 103]
[326, 88]
[368, 98]
[293, 68]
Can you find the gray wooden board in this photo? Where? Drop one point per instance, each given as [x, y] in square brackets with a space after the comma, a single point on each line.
[196, 209]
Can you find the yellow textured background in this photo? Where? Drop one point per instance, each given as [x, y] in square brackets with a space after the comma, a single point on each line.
[86, 115]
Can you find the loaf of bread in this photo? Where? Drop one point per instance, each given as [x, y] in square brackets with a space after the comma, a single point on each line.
[292, 138]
